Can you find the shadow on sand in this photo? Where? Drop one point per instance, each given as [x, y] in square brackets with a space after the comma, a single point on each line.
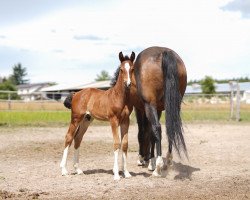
[103, 171]
[184, 171]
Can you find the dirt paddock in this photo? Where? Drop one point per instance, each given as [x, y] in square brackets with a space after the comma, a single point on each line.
[218, 165]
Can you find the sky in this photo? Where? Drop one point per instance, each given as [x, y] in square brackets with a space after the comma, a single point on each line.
[70, 42]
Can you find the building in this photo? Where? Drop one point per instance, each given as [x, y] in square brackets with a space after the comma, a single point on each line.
[30, 92]
[60, 91]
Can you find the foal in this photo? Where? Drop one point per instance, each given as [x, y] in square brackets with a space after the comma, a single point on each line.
[110, 105]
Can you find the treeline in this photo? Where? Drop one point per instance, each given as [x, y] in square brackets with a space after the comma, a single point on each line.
[10, 83]
[241, 80]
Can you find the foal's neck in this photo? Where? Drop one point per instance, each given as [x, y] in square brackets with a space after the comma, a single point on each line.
[119, 89]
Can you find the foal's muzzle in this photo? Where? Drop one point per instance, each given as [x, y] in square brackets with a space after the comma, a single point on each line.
[127, 84]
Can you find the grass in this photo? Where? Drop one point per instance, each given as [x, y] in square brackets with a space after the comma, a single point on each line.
[34, 118]
[190, 113]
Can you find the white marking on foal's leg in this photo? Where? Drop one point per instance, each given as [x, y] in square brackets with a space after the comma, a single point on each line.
[124, 165]
[76, 162]
[116, 167]
[159, 165]
[151, 164]
[64, 161]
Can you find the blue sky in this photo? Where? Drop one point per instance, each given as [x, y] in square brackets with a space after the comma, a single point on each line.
[72, 41]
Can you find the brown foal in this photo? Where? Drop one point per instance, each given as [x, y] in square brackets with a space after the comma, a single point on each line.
[111, 105]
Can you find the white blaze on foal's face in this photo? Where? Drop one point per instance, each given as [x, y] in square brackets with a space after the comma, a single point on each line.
[127, 67]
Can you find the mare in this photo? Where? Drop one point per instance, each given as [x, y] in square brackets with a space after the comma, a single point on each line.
[111, 105]
[158, 83]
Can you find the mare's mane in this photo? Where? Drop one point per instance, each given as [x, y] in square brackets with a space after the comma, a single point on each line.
[116, 74]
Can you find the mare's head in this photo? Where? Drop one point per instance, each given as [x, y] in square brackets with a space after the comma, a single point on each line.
[125, 69]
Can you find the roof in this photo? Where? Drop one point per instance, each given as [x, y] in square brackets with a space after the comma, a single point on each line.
[64, 87]
[31, 85]
[220, 87]
[191, 89]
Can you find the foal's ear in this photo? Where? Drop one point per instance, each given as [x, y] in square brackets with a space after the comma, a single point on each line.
[121, 57]
[132, 57]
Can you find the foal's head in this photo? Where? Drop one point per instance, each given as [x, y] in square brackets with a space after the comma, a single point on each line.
[126, 68]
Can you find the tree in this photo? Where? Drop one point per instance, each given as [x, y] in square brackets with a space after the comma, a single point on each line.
[104, 75]
[8, 86]
[208, 85]
[18, 75]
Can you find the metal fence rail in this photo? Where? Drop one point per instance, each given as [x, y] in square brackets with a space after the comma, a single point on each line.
[54, 101]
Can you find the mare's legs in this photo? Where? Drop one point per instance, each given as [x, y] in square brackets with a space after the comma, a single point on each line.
[124, 145]
[152, 115]
[116, 145]
[151, 165]
[169, 154]
[83, 126]
[141, 137]
[75, 120]
[144, 138]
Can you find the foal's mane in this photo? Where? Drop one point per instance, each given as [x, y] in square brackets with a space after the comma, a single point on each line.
[116, 74]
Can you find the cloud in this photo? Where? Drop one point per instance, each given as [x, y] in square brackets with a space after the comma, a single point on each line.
[2, 36]
[239, 5]
[89, 37]
[58, 51]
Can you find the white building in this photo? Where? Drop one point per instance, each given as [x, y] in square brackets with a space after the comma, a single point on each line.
[30, 92]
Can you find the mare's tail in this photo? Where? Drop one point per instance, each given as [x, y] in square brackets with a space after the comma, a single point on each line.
[67, 102]
[173, 99]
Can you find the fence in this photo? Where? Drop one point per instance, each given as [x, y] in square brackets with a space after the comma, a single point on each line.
[229, 102]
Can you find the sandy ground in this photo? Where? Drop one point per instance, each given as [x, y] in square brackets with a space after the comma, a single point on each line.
[218, 165]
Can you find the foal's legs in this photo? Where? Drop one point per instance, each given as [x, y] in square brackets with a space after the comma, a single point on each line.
[68, 140]
[124, 145]
[116, 144]
[152, 115]
[84, 124]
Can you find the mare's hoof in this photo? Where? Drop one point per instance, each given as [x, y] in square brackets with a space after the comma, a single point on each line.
[151, 164]
[156, 173]
[140, 161]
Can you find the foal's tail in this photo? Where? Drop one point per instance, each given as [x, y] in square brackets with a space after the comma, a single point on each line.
[173, 99]
[68, 101]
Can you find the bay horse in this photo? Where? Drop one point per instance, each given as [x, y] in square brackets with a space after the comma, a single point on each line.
[158, 83]
[111, 105]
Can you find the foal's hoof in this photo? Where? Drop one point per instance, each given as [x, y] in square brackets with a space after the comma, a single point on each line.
[116, 177]
[79, 171]
[127, 174]
[64, 172]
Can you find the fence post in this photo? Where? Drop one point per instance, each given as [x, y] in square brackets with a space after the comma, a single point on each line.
[238, 102]
[9, 102]
[231, 99]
